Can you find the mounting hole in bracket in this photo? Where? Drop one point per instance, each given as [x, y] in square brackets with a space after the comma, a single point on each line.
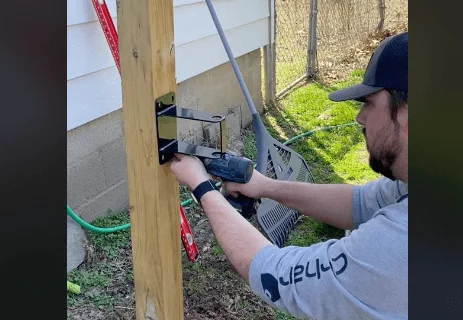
[216, 154]
[216, 118]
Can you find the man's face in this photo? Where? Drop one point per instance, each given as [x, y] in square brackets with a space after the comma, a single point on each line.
[384, 137]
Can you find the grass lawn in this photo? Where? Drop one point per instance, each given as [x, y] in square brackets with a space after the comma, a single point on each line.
[212, 289]
[289, 71]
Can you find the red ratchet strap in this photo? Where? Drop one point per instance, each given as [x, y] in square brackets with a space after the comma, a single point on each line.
[112, 38]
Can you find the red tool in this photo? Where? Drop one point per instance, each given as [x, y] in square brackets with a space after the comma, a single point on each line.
[109, 29]
[112, 38]
[187, 237]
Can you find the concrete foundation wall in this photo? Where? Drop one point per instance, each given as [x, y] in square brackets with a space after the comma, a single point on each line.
[97, 170]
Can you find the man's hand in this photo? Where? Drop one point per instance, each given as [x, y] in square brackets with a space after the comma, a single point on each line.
[330, 203]
[239, 239]
[188, 170]
[255, 188]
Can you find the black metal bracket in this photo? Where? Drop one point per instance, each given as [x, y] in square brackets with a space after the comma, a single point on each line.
[167, 113]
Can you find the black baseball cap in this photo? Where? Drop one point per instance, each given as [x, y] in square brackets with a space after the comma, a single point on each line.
[387, 69]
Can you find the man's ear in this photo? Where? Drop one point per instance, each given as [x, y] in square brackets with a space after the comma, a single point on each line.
[402, 118]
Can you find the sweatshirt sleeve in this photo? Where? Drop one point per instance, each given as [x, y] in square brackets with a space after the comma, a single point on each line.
[374, 195]
[333, 279]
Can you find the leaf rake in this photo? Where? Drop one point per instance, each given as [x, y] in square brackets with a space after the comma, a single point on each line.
[274, 160]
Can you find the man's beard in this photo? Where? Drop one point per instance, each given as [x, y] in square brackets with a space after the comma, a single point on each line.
[383, 160]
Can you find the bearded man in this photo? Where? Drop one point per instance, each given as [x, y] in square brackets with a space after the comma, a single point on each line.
[363, 275]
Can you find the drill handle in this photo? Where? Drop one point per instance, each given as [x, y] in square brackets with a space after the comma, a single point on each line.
[244, 205]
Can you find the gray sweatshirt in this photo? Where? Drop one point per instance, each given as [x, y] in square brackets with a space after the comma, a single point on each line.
[362, 276]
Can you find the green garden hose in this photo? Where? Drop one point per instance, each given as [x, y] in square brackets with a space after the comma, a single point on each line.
[90, 227]
[311, 132]
[93, 228]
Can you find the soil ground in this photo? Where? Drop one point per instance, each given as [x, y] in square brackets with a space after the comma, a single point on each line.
[212, 289]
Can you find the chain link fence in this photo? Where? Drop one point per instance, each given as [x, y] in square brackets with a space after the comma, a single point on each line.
[292, 39]
[341, 27]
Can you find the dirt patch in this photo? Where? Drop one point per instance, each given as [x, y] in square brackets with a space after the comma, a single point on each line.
[212, 288]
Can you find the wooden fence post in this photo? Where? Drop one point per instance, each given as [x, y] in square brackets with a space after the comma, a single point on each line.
[147, 55]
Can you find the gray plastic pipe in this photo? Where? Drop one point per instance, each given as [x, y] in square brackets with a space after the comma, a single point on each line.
[259, 128]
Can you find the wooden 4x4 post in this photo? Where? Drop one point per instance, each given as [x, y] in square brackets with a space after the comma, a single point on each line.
[147, 56]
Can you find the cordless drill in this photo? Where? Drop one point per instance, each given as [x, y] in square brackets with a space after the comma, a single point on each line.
[233, 168]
